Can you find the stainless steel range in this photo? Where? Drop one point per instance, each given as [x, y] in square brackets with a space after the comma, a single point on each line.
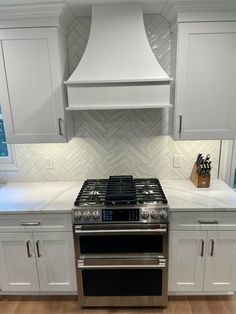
[121, 242]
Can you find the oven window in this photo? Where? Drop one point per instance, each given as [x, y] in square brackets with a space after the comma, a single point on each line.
[121, 244]
[122, 282]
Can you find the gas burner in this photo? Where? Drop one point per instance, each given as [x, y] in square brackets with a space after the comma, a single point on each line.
[147, 190]
[93, 198]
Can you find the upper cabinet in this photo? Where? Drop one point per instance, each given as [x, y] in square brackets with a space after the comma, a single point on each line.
[205, 80]
[33, 66]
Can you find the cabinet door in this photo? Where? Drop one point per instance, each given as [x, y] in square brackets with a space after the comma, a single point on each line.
[186, 260]
[31, 85]
[55, 260]
[220, 271]
[18, 270]
[205, 81]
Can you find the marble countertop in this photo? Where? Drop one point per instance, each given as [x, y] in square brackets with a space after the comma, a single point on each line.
[38, 197]
[182, 195]
[59, 197]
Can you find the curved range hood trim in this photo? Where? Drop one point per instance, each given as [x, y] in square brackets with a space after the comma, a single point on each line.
[118, 68]
[123, 107]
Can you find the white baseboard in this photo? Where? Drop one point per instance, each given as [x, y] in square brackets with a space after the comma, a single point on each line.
[39, 293]
[203, 293]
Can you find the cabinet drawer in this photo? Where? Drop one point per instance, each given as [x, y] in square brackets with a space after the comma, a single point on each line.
[212, 220]
[35, 222]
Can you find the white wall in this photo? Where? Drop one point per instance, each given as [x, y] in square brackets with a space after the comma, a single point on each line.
[116, 141]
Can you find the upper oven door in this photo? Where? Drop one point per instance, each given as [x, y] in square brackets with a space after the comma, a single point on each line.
[119, 240]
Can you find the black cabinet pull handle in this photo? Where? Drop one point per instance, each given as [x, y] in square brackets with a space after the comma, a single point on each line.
[208, 222]
[180, 124]
[212, 247]
[202, 248]
[30, 224]
[37, 247]
[28, 249]
[59, 127]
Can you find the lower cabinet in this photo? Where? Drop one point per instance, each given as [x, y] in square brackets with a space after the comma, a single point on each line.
[18, 270]
[38, 261]
[220, 266]
[202, 261]
[186, 269]
[55, 261]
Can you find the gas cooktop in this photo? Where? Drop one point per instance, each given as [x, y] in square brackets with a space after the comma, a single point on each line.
[120, 199]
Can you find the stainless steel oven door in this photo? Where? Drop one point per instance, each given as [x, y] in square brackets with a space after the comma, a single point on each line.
[122, 282]
[120, 240]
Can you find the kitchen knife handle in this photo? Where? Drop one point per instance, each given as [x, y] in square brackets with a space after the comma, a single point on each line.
[180, 124]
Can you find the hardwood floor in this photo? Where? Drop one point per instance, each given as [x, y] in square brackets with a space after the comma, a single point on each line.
[69, 305]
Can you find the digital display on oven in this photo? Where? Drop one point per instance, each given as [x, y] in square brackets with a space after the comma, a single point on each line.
[120, 214]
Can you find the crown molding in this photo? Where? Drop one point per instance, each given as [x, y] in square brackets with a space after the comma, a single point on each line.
[199, 10]
[36, 15]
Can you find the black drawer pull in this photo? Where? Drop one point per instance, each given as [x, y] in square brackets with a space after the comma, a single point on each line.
[208, 222]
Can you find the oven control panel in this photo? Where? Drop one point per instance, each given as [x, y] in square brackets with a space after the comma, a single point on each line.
[114, 214]
[106, 215]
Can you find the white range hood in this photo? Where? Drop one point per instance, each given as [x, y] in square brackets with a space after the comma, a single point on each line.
[118, 68]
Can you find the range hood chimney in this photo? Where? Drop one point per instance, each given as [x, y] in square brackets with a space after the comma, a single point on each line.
[118, 69]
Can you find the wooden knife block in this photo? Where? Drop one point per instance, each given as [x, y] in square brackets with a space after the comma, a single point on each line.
[199, 181]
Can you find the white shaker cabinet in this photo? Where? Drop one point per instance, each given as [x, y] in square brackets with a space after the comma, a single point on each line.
[55, 261]
[202, 252]
[18, 271]
[35, 257]
[187, 260]
[205, 80]
[220, 274]
[32, 69]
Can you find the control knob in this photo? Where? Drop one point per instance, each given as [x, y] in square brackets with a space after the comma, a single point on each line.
[154, 214]
[163, 213]
[77, 215]
[96, 215]
[144, 214]
[86, 215]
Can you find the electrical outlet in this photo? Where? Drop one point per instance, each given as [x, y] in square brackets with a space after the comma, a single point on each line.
[177, 161]
[48, 162]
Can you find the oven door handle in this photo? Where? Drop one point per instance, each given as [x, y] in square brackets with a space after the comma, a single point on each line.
[123, 231]
[80, 265]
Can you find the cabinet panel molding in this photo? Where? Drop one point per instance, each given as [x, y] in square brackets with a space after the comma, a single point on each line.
[205, 93]
[55, 261]
[18, 270]
[220, 269]
[31, 92]
[186, 260]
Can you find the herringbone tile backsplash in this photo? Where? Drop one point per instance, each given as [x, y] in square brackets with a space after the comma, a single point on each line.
[114, 141]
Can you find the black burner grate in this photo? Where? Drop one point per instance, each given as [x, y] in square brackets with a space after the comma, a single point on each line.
[92, 193]
[149, 191]
[120, 190]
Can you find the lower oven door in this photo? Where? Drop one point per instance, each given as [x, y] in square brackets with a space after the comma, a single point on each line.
[122, 282]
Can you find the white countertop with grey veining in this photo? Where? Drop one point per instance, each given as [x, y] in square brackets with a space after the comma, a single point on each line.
[182, 195]
[38, 197]
[48, 197]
